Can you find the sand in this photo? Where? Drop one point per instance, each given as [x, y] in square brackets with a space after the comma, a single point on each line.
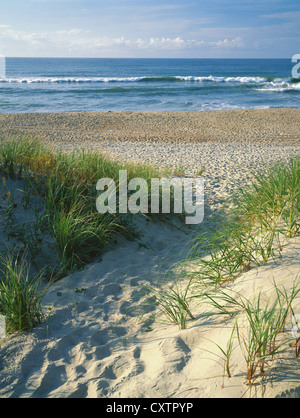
[222, 145]
[94, 344]
[277, 126]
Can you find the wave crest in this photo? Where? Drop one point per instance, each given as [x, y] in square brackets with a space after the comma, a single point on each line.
[210, 78]
[281, 87]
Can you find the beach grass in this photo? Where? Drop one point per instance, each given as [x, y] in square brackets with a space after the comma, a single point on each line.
[80, 235]
[66, 183]
[263, 216]
[273, 199]
[260, 330]
[20, 294]
[172, 303]
[266, 212]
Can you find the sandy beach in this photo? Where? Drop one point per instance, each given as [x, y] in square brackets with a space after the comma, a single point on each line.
[93, 344]
[224, 145]
[271, 126]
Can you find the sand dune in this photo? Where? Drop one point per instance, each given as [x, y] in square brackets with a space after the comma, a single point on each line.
[93, 343]
[94, 346]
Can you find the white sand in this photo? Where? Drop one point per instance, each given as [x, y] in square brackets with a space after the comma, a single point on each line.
[93, 344]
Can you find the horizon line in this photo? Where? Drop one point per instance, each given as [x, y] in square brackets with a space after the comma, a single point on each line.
[145, 58]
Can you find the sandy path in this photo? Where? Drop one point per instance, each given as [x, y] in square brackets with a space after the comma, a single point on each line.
[94, 346]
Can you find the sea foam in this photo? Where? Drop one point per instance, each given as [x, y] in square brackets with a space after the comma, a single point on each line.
[280, 87]
[203, 79]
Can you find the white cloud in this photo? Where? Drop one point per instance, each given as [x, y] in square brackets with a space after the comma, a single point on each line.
[78, 42]
[35, 38]
[167, 43]
[179, 43]
[79, 38]
[226, 43]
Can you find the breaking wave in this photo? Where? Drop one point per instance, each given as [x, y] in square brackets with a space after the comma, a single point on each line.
[281, 87]
[203, 79]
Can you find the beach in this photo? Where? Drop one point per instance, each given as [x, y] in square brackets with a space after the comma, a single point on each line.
[224, 146]
[267, 126]
[93, 344]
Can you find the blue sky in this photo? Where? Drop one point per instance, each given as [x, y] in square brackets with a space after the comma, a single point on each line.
[150, 28]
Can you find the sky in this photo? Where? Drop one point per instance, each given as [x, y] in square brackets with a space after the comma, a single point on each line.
[150, 28]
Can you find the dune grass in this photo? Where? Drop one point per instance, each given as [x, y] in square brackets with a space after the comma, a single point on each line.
[273, 199]
[66, 182]
[172, 303]
[261, 328]
[263, 216]
[20, 294]
[266, 212]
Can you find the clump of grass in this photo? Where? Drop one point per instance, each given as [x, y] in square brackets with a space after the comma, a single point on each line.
[264, 212]
[80, 235]
[173, 302]
[257, 326]
[200, 171]
[273, 198]
[67, 183]
[264, 324]
[227, 352]
[20, 294]
[179, 171]
[15, 154]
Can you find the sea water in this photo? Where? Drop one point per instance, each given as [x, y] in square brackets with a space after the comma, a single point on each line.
[74, 85]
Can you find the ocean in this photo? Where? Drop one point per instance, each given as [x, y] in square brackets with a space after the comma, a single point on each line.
[75, 85]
